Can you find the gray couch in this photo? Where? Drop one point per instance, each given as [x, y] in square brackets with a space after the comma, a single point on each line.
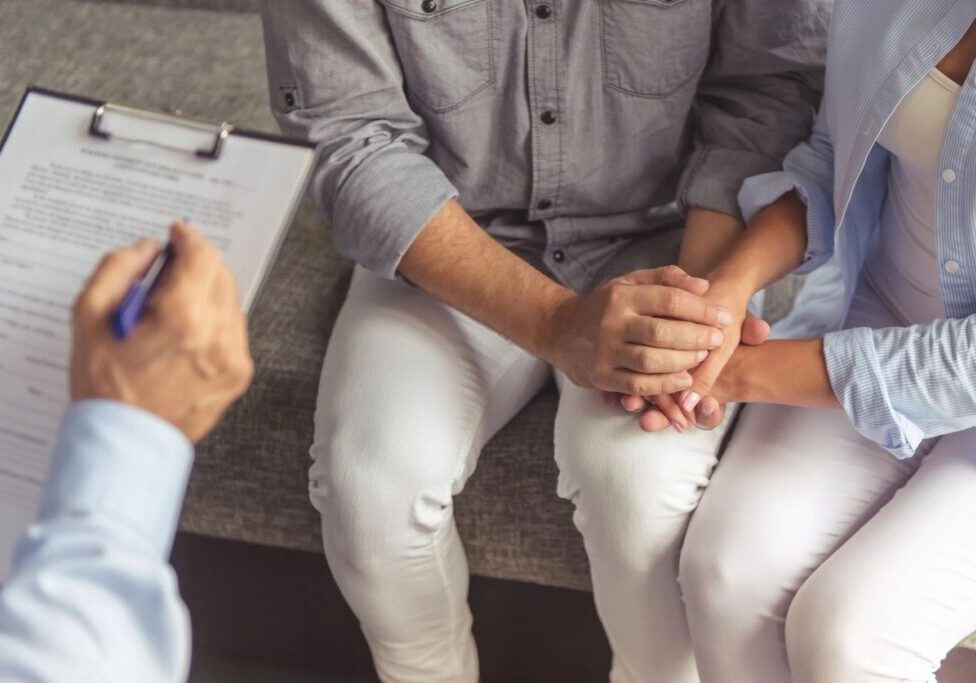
[249, 483]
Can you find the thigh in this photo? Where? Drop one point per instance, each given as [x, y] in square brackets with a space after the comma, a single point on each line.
[405, 373]
[793, 484]
[907, 578]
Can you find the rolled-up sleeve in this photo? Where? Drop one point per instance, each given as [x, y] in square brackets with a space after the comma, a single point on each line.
[757, 97]
[809, 170]
[335, 80]
[902, 385]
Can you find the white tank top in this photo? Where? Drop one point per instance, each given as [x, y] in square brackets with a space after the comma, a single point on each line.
[903, 265]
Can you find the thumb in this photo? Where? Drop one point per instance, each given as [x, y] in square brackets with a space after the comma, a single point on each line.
[754, 330]
[114, 276]
[668, 276]
[705, 375]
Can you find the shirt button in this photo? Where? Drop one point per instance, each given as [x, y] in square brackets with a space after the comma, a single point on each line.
[543, 11]
[548, 117]
[952, 267]
[544, 205]
[558, 256]
[949, 175]
[429, 6]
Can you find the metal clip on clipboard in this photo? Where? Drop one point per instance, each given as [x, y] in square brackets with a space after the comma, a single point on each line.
[220, 132]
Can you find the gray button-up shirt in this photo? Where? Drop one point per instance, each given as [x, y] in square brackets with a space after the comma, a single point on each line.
[574, 131]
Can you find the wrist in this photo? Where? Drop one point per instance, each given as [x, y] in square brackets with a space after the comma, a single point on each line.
[545, 340]
[731, 293]
[741, 380]
[733, 283]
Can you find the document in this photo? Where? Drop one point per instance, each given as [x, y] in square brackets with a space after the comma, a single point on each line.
[68, 196]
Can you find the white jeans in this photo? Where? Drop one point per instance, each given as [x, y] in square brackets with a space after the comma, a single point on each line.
[411, 392]
[817, 557]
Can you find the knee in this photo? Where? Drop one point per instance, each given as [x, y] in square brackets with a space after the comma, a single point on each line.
[721, 576]
[380, 493]
[631, 508]
[828, 637]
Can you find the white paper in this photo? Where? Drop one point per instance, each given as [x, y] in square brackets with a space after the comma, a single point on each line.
[66, 198]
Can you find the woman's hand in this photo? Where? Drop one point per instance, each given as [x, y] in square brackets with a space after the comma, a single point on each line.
[734, 298]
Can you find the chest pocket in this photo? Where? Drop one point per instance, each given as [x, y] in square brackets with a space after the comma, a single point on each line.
[653, 47]
[444, 47]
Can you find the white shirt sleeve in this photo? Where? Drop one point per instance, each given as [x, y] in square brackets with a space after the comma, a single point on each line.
[92, 597]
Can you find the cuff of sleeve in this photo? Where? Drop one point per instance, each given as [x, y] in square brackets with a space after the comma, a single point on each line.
[385, 204]
[714, 176]
[116, 461]
[760, 191]
[858, 382]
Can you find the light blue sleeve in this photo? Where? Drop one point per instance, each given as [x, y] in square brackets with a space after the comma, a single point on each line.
[901, 385]
[92, 598]
[808, 169]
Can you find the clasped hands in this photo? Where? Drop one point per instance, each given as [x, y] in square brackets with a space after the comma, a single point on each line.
[657, 341]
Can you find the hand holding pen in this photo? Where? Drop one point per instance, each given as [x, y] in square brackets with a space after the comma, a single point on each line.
[187, 358]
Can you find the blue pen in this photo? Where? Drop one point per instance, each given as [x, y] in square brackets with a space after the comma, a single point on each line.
[125, 318]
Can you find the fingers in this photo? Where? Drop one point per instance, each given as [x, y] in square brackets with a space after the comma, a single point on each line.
[114, 277]
[669, 276]
[656, 361]
[673, 276]
[671, 302]
[704, 377]
[709, 413]
[754, 330]
[671, 334]
[653, 420]
[669, 407]
[639, 384]
[184, 300]
[230, 351]
[632, 404]
[195, 265]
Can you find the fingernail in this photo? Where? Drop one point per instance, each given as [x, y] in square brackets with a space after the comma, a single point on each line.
[716, 339]
[723, 317]
[685, 382]
[702, 355]
[677, 427]
[707, 408]
[690, 401]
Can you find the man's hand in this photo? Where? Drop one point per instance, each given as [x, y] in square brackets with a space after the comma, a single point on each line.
[638, 334]
[187, 359]
[660, 412]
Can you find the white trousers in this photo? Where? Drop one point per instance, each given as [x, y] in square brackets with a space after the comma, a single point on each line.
[411, 391]
[817, 557]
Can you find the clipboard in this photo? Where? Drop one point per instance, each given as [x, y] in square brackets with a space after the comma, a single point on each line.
[99, 128]
[79, 177]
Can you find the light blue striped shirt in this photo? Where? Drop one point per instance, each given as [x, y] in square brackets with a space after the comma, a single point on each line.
[92, 598]
[897, 385]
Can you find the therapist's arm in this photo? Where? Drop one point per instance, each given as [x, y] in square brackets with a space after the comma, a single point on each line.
[91, 597]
